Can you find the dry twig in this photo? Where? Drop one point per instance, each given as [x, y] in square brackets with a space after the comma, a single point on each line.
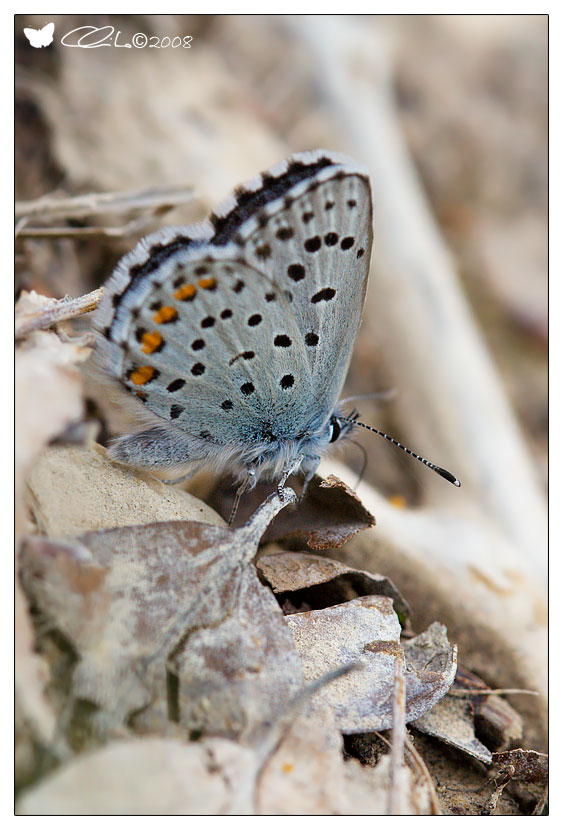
[56, 311]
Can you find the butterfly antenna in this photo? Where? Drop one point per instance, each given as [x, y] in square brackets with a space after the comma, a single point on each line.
[388, 395]
[364, 461]
[440, 470]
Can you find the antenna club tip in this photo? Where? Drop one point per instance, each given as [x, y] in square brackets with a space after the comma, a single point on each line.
[448, 476]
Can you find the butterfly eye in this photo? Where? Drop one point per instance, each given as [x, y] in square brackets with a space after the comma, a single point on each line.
[335, 430]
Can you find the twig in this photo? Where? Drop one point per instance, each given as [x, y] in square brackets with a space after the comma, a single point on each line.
[418, 762]
[396, 762]
[130, 228]
[89, 204]
[466, 692]
[414, 756]
[56, 312]
[504, 778]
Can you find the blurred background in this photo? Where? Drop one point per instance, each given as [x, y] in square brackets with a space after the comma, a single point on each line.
[450, 115]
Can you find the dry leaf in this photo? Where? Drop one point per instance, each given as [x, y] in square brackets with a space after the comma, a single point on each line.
[328, 516]
[172, 626]
[305, 578]
[31, 678]
[306, 774]
[530, 766]
[48, 400]
[153, 776]
[367, 630]
[451, 720]
[73, 490]
[47, 382]
[523, 765]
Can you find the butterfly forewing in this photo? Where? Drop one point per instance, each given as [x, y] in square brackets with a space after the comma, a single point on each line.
[316, 245]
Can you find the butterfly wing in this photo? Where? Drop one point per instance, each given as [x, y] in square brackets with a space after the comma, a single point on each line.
[208, 344]
[231, 332]
[313, 241]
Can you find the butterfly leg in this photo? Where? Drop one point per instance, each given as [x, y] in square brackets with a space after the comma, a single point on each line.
[247, 484]
[292, 467]
[185, 477]
[310, 468]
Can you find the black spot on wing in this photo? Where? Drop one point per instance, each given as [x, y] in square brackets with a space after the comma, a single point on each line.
[325, 294]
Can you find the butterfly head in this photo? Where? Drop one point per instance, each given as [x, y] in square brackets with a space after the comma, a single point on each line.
[300, 451]
[340, 428]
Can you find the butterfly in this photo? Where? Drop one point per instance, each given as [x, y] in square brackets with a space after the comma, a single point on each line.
[40, 37]
[233, 337]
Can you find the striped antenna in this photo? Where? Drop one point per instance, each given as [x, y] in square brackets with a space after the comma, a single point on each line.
[440, 470]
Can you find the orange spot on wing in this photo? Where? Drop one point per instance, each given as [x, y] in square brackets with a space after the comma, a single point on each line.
[287, 767]
[208, 282]
[165, 314]
[151, 341]
[186, 292]
[142, 375]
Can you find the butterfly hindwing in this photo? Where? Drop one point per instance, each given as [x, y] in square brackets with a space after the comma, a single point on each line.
[212, 346]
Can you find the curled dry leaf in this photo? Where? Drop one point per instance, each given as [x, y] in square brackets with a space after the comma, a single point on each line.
[328, 516]
[306, 578]
[523, 765]
[530, 767]
[367, 630]
[455, 720]
[73, 490]
[172, 627]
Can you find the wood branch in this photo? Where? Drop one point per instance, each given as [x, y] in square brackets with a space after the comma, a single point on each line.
[451, 398]
[54, 206]
[133, 227]
[396, 759]
[47, 311]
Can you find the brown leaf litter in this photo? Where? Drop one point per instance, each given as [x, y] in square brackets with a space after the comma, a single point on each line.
[328, 516]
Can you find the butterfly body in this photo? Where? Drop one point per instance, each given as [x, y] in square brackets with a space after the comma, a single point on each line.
[233, 337]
